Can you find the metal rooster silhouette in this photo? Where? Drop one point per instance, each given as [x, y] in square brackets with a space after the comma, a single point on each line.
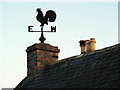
[49, 16]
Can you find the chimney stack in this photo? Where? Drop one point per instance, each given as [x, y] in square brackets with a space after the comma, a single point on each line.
[41, 55]
[82, 45]
[87, 46]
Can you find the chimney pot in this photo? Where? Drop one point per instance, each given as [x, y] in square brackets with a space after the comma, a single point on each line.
[92, 44]
[87, 46]
[82, 45]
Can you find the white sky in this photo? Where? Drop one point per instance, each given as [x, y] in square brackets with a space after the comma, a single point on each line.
[75, 22]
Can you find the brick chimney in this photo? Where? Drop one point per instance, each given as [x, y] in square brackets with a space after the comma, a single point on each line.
[87, 45]
[92, 44]
[41, 55]
[82, 45]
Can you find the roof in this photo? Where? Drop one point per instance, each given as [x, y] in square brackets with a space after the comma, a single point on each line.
[95, 69]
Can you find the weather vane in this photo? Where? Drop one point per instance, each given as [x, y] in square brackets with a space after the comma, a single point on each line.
[50, 16]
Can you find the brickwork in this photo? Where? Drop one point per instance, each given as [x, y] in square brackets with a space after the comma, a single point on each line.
[40, 56]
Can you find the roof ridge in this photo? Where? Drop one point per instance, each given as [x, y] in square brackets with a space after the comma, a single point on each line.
[90, 53]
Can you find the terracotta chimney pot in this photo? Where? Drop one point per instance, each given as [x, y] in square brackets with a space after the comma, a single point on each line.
[87, 46]
[92, 44]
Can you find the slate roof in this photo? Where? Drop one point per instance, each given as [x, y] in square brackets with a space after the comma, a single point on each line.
[97, 69]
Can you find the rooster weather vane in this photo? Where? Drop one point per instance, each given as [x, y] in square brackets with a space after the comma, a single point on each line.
[50, 16]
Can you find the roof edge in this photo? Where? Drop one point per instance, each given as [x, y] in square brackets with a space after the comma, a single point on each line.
[26, 80]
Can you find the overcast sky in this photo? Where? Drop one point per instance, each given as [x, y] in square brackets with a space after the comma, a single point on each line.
[75, 21]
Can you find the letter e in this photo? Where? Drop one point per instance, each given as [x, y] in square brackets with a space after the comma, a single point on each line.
[30, 28]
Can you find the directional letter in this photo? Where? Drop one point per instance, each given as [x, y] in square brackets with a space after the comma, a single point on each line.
[53, 29]
[30, 28]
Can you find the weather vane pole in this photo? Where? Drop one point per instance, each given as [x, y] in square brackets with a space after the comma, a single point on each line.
[50, 16]
[42, 39]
